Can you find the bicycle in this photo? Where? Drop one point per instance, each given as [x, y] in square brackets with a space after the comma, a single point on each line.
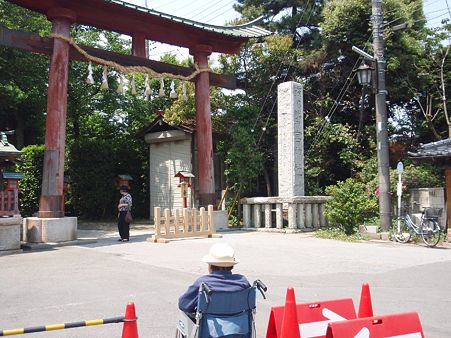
[429, 229]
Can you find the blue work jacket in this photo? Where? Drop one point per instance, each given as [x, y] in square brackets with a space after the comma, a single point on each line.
[217, 280]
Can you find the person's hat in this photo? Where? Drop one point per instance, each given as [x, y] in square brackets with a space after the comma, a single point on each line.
[221, 254]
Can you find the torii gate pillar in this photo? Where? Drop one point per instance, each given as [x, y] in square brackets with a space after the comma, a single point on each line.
[204, 141]
[51, 204]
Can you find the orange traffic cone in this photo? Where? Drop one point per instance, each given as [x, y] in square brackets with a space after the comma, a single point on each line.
[365, 306]
[290, 326]
[130, 329]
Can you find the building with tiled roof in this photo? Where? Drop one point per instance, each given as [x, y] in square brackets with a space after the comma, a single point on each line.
[439, 154]
[440, 150]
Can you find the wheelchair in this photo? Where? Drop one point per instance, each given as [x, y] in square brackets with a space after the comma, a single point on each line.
[222, 314]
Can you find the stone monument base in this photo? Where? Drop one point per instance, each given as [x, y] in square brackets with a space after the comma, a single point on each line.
[49, 230]
[10, 232]
[221, 220]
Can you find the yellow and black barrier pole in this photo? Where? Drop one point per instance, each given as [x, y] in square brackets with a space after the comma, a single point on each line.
[61, 326]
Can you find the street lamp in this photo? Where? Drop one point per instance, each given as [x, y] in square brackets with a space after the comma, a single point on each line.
[364, 75]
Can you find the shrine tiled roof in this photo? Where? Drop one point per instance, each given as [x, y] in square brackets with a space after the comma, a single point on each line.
[439, 149]
[248, 30]
[158, 125]
[6, 148]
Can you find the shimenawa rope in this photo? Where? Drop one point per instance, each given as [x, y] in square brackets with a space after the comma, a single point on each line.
[129, 69]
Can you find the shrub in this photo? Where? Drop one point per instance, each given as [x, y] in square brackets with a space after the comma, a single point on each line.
[418, 176]
[93, 166]
[338, 233]
[351, 205]
[31, 164]
[92, 175]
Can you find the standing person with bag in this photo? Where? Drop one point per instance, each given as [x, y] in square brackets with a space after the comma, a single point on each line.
[124, 220]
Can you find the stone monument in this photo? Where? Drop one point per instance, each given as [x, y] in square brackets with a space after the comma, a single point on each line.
[302, 213]
[290, 140]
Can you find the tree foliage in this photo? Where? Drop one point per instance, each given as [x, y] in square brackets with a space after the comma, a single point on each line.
[317, 51]
[311, 45]
[244, 160]
[101, 125]
[23, 79]
[31, 164]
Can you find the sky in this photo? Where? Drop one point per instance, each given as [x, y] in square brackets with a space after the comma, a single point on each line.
[436, 10]
[219, 12]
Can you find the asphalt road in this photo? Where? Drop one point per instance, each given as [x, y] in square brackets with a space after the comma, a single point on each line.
[89, 281]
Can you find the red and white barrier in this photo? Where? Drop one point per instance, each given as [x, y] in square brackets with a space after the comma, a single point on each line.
[337, 319]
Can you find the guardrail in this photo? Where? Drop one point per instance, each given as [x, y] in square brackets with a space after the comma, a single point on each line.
[303, 212]
[130, 329]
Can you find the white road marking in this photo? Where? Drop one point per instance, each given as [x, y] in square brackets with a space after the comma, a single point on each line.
[318, 329]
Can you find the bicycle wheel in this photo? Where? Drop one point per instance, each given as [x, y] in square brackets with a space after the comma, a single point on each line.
[404, 234]
[430, 233]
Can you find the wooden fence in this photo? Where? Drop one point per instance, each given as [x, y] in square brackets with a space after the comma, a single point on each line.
[9, 203]
[183, 223]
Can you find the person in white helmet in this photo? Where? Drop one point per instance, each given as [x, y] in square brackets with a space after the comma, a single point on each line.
[221, 260]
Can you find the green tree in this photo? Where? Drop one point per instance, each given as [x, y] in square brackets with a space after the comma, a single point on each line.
[94, 116]
[317, 51]
[23, 79]
[243, 159]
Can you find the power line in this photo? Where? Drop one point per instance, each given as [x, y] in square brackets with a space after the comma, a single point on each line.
[437, 11]
[337, 101]
[207, 17]
[167, 4]
[334, 107]
[211, 6]
[190, 5]
[350, 78]
[414, 8]
[285, 77]
[277, 74]
[431, 19]
[220, 14]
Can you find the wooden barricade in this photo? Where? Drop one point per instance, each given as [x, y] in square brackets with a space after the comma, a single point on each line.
[184, 223]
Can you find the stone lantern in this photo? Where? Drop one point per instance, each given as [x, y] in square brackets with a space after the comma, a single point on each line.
[10, 219]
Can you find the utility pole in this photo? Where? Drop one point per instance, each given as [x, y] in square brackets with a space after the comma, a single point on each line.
[381, 118]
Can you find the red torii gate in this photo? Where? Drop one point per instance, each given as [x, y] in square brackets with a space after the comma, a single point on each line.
[141, 24]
